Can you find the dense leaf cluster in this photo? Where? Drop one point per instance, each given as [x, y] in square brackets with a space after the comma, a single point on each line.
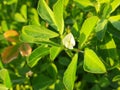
[59, 44]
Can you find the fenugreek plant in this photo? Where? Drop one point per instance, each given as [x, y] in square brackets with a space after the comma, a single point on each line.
[62, 45]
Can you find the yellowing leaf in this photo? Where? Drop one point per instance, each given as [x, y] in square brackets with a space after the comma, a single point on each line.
[11, 35]
[25, 49]
[10, 53]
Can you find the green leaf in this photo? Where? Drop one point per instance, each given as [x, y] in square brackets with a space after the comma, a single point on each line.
[54, 52]
[19, 18]
[70, 73]
[106, 9]
[64, 61]
[92, 63]
[1, 65]
[110, 47]
[96, 87]
[29, 39]
[38, 32]
[115, 20]
[4, 25]
[75, 30]
[34, 18]
[26, 38]
[103, 1]
[101, 29]
[3, 87]
[46, 13]
[59, 85]
[66, 2]
[116, 24]
[55, 17]
[86, 29]
[23, 11]
[116, 78]
[41, 82]
[9, 2]
[58, 12]
[52, 71]
[115, 32]
[84, 3]
[114, 5]
[4, 75]
[104, 82]
[37, 54]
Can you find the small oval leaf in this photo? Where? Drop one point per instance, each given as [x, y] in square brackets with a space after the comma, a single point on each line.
[92, 63]
[54, 51]
[37, 54]
[19, 18]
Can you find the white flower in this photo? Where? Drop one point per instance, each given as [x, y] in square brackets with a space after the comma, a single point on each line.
[69, 41]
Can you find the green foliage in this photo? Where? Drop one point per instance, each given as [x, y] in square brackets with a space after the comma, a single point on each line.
[101, 29]
[70, 73]
[86, 29]
[92, 63]
[6, 78]
[36, 56]
[54, 52]
[35, 33]
[55, 17]
[59, 44]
